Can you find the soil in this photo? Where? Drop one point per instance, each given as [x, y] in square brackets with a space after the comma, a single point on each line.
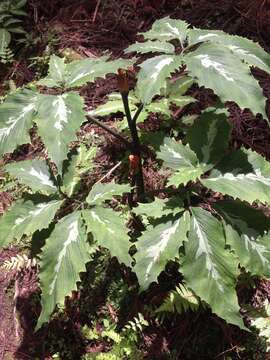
[89, 28]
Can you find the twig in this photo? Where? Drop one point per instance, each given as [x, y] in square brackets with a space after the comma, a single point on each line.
[96, 11]
[109, 130]
[110, 172]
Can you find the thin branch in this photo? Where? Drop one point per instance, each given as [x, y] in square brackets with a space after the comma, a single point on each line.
[109, 130]
[109, 172]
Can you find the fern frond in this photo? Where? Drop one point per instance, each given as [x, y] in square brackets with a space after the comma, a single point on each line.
[137, 324]
[178, 301]
[112, 335]
[6, 56]
[18, 263]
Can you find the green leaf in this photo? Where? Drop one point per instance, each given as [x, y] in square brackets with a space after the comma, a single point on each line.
[168, 29]
[159, 208]
[16, 119]
[133, 100]
[110, 107]
[33, 173]
[181, 101]
[244, 227]
[216, 67]
[80, 163]
[209, 270]
[181, 158]
[11, 21]
[253, 254]
[25, 218]
[62, 259]
[247, 50]
[5, 39]
[178, 87]
[16, 30]
[109, 231]
[157, 246]
[87, 70]
[63, 116]
[153, 74]
[151, 46]
[244, 218]
[101, 192]
[160, 106]
[175, 154]
[183, 176]
[209, 136]
[244, 175]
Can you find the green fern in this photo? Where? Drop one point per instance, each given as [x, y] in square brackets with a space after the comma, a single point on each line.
[10, 23]
[124, 343]
[18, 263]
[179, 300]
[136, 325]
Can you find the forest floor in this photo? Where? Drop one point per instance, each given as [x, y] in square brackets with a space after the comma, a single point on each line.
[88, 29]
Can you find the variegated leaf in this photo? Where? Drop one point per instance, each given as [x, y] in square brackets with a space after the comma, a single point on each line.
[245, 228]
[157, 246]
[87, 70]
[209, 270]
[151, 46]
[16, 119]
[109, 231]
[101, 192]
[33, 173]
[153, 74]
[25, 218]
[244, 175]
[181, 158]
[216, 67]
[57, 73]
[184, 175]
[60, 116]
[175, 154]
[247, 50]
[168, 29]
[57, 69]
[159, 208]
[80, 163]
[209, 136]
[110, 107]
[63, 258]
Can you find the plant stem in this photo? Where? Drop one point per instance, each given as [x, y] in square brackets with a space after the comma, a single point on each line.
[136, 145]
[109, 130]
[139, 110]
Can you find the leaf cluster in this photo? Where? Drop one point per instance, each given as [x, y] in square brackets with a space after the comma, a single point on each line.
[210, 227]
